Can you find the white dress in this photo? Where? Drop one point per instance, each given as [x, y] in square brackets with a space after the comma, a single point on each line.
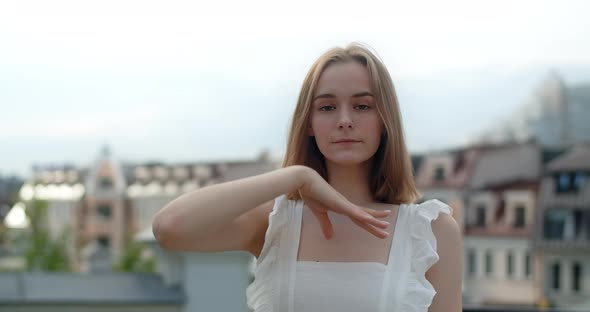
[281, 283]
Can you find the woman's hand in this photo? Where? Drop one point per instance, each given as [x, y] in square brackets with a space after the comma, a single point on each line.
[321, 197]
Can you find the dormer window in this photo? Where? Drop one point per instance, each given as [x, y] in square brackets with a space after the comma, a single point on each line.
[480, 215]
[519, 217]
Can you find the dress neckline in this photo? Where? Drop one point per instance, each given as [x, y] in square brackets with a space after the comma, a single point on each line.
[348, 265]
[393, 246]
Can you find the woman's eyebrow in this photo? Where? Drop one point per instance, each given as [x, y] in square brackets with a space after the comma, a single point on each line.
[332, 96]
[361, 94]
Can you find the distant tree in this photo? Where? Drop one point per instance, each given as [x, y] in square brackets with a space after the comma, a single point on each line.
[42, 253]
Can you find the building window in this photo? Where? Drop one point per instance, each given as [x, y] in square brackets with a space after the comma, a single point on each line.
[519, 217]
[578, 219]
[439, 174]
[104, 211]
[471, 262]
[106, 183]
[567, 182]
[554, 224]
[563, 182]
[489, 263]
[480, 215]
[527, 264]
[576, 276]
[104, 241]
[510, 264]
[555, 275]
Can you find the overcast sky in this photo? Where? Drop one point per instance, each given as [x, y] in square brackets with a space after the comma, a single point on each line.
[187, 81]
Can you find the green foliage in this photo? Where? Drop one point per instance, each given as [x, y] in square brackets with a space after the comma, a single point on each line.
[134, 260]
[42, 253]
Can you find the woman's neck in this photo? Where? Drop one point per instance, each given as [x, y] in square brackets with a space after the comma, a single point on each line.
[351, 181]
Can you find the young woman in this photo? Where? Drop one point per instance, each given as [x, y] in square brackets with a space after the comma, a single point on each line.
[335, 229]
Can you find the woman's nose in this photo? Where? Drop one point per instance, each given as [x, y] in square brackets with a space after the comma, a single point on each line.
[344, 120]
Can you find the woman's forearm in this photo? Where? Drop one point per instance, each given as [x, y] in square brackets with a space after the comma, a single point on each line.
[203, 211]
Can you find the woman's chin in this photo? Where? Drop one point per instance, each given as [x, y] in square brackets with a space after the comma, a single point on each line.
[347, 160]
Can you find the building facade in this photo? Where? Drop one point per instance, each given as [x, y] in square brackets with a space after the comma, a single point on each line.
[499, 221]
[562, 235]
[102, 206]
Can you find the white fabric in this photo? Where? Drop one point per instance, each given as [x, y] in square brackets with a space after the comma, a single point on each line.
[338, 286]
[281, 283]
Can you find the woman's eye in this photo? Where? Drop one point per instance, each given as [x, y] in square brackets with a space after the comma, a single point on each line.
[363, 107]
[326, 107]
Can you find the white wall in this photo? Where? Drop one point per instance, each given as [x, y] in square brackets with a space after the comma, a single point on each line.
[513, 199]
[499, 287]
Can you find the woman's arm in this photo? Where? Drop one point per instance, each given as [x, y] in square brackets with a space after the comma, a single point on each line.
[225, 216]
[446, 275]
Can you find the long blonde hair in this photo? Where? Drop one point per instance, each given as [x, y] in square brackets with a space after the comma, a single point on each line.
[391, 175]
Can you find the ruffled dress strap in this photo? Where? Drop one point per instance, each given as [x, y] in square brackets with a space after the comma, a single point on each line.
[419, 292]
[269, 289]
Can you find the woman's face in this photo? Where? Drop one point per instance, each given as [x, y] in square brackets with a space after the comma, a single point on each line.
[344, 108]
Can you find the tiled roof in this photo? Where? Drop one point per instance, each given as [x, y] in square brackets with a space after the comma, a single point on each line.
[577, 158]
[505, 164]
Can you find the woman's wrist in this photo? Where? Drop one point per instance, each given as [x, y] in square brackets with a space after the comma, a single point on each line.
[302, 175]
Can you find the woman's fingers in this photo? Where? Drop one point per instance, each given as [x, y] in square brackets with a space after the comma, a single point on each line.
[378, 213]
[366, 221]
[365, 216]
[371, 229]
